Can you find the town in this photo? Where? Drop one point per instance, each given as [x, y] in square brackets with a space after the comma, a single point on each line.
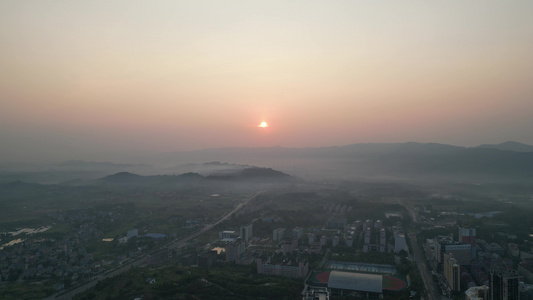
[285, 239]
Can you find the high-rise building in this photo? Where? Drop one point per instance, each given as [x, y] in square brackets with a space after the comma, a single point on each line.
[297, 232]
[278, 234]
[311, 238]
[504, 284]
[462, 252]
[440, 243]
[323, 241]
[335, 241]
[289, 245]
[348, 241]
[246, 232]
[467, 236]
[234, 250]
[452, 272]
[336, 223]
[399, 239]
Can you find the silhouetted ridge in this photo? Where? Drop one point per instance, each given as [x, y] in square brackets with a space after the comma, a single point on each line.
[254, 173]
[190, 175]
[122, 177]
[261, 172]
[20, 184]
[509, 146]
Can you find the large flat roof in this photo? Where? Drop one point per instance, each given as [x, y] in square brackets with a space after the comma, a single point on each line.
[356, 282]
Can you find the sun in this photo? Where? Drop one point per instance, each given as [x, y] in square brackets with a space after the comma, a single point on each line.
[263, 124]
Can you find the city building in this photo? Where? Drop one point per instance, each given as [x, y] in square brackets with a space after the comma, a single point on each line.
[208, 259]
[452, 272]
[439, 242]
[491, 247]
[399, 240]
[311, 238]
[348, 241]
[234, 250]
[461, 252]
[284, 269]
[525, 268]
[378, 224]
[376, 242]
[445, 244]
[228, 234]
[289, 245]
[335, 241]
[526, 292]
[467, 236]
[367, 224]
[297, 232]
[246, 233]
[513, 249]
[323, 241]
[316, 293]
[336, 223]
[477, 293]
[504, 284]
[278, 234]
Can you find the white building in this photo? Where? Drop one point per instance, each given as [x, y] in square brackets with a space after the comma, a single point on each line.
[399, 242]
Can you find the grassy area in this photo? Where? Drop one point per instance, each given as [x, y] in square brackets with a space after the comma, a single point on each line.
[223, 282]
[16, 291]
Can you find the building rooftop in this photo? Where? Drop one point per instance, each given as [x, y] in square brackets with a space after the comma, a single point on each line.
[356, 282]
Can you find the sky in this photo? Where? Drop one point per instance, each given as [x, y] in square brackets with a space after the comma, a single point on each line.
[81, 78]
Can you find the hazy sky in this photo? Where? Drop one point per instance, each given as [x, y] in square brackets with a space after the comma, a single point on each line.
[85, 77]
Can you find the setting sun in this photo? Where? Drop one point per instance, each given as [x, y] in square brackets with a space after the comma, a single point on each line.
[263, 124]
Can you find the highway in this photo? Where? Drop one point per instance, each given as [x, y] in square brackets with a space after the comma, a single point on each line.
[419, 257]
[140, 261]
[429, 285]
[184, 241]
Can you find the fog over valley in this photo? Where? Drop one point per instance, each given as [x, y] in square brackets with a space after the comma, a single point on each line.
[230, 150]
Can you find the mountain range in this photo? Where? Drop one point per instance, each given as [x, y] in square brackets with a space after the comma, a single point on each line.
[509, 146]
[421, 162]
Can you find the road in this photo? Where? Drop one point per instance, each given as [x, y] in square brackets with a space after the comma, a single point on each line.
[184, 241]
[140, 261]
[431, 289]
[429, 284]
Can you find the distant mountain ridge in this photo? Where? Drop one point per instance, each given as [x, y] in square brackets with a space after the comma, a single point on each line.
[509, 146]
[403, 161]
[253, 173]
[509, 161]
[247, 174]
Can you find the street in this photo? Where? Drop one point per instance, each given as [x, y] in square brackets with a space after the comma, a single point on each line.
[429, 284]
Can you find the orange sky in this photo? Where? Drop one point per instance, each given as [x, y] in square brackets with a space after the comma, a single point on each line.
[106, 76]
